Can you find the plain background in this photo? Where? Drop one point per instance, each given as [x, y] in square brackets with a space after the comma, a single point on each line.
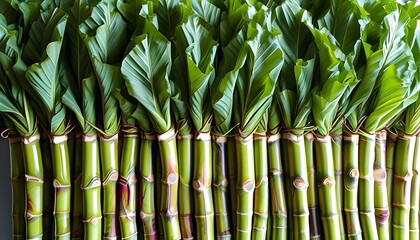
[5, 191]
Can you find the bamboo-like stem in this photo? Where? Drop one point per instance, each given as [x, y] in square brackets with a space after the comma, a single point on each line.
[62, 186]
[299, 180]
[109, 167]
[203, 196]
[128, 186]
[390, 153]
[287, 184]
[313, 203]
[415, 193]
[17, 174]
[326, 187]
[77, 200]
[232, 171]
[380, 192]
[277, 188]
[48, 191]
[220, 188]
[366, 186]
[169, 191]
[158, 189]
[245, 185]
[34, 179]
[261, 194]
[91, 188]
[147, 187]
[351, 181]
[336, 142]
[270, 217]
[404, 153]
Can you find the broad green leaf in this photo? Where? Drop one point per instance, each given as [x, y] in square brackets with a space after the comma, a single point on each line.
[146, 70]
[209, 12]
[130, 10]
[169, 14]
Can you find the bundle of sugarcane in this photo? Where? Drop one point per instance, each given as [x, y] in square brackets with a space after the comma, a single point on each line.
[227, 119]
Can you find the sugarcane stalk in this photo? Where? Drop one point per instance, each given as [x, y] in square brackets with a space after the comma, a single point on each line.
[77, 201]
[147, 186]
[390, 153]
[169, 188]
[232, 171]
[220, 188]
[128, 185]
[287, 184]
[158, 190]
[277, 188]
[245, 185]
[351, 181]
[299, 180]
[336, 143]
[48, 192]
[380, 191]
[404, 153]
[17, 173]
[91, 187]
[62, 187]
[313, 203]
[366, 186]
[326, 187]
[261, 194]
[270, 218]
[109, 164]
[34, 183]
[415, 193]
[203, 196]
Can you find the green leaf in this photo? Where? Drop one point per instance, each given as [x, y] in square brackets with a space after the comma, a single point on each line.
[209, 12]
[130, 10]
[146, 69]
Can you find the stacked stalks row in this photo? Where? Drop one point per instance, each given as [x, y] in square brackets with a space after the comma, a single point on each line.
[168, 119]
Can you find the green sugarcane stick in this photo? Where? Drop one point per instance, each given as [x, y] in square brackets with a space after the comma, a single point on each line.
[77, 202]
[34, 179]
[147, 186]
[366, 186]
[17, 173]
[158, 190]
[261, 194]
[415, 193]
[62, 186]
[245, 185]
[128, 185]
[380, 192]
[109, 167]
[91, 187]
[277, 188]
[220, 188]
[299, 180]
[232, 171]
[404, 153]
[390, 153]
[326, 187]
[169, 188]
[288, 184]
[336, 142]
[186, 198]
[351, 181]
[202, 184]
[48, 192]
[313, 203]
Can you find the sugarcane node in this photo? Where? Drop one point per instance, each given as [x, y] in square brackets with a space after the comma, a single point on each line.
[123, 181]
[273, 138]
[184, 137]
[407, 176]
[354, 138]
[382, 215]
[243, 230]
[248, 186]
[275, 172]
[89, 138]
[399, 205]
[324, 139]
[57, 184]
[111, 177]
[203, 136]
[108, 138]
[172, 178]
[279, 227]
[219, 139]
[379, 174]
[259, 229]
[293, 137]
[30, 178]
[31, 139]
[58, 139]
[29, 216]
[260, 136]
[300, 183]
[93, 183]
[241, 138]
[311, 169]
[167, 135]
[222, 184]
[303, 214]
[331, 217]
[351, 210]
[328, 181]
[261, 181]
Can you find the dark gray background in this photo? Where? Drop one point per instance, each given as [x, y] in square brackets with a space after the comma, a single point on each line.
[5, 191]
